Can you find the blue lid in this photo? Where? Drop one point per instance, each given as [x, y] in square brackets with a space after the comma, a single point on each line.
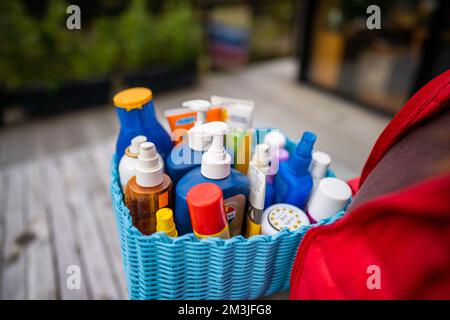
[301, 157]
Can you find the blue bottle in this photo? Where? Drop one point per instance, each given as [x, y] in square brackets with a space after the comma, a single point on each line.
[215, 168]
[269, 198]
[186, 156]
[136, 114]
[293, 182]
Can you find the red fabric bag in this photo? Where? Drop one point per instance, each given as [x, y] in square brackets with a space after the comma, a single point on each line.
[395, 246]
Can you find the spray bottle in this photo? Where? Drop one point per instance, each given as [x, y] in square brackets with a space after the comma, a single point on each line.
[187, 156]
[215, 168]
[293, 182]
[127, 165]
[148, 191]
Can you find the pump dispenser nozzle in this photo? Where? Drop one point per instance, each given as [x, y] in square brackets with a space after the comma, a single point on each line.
[135, 144]
[216, 161]
[302, 155]
[149, 169]
[200, 106]
[198, 141]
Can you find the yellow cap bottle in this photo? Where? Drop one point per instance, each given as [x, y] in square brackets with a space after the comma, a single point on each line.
[164, 222]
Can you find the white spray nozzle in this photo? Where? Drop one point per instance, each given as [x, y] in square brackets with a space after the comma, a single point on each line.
[200, 106]
[136, 143]
[149, 167]
[216, 161]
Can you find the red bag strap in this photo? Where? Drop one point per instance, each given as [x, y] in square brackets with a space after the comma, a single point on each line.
[431, 99]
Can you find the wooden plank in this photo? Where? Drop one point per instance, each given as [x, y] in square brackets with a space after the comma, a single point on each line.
[41, 272]
[13, 275]
[62, 231]
[81, 189]
[100, 156]
[4, 182]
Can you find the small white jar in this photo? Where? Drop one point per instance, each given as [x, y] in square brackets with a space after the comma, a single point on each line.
[280, 216]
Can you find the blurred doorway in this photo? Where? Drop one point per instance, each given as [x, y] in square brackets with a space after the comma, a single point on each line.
[379, 68]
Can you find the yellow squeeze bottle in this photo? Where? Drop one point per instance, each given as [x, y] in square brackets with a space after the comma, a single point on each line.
[164, 222]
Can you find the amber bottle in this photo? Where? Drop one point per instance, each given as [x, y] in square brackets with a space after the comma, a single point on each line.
[148, 191]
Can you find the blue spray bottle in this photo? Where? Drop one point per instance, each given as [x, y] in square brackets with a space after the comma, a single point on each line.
[137, 117]
[215, 168]
[186, 156]
[293, 182]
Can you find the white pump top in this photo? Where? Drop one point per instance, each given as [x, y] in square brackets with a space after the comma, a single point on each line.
[198, 141]
[135, 144]
[216, 162]
[275, 139]
[261, 157]
[149, 168]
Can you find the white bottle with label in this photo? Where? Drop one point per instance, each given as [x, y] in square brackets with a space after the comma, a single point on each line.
[257, 175]
[127, 165]
[318, 168]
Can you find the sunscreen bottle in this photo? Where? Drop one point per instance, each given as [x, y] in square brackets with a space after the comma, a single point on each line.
[186, 156]
[165, 223]
[136, 114]
[261, 193]
[215, 168]
[318, 168]
[127, 165]
[293, 182]
[207, 212]
[148, 191]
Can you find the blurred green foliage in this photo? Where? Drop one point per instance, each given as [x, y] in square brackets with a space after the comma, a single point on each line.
[36, 51]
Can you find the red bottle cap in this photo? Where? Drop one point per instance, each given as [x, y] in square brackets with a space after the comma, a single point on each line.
[206, 208]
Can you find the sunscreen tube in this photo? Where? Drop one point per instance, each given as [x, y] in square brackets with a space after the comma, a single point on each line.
[259, 168]
[236, 112]
[183, 118]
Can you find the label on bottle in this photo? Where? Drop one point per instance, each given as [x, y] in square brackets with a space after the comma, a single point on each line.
[163, 199]
[257, 182]
[235, 209]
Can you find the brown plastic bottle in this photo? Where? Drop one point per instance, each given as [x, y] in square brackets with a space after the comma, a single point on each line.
[148, 191]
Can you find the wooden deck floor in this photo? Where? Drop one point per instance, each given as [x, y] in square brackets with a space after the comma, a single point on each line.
[55, 210]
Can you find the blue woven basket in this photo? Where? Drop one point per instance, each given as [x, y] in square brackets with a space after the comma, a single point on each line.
[160, 267]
